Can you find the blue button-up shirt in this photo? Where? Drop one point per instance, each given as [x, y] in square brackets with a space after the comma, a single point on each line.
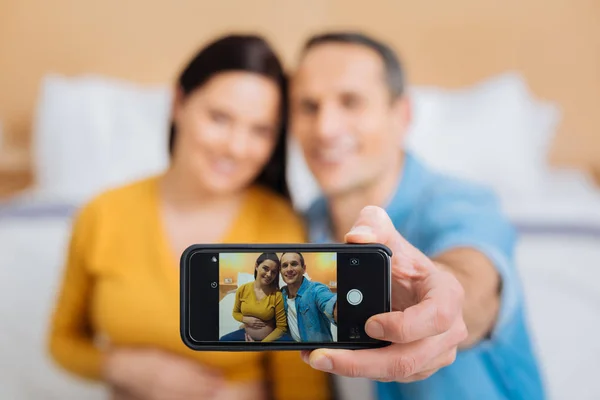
[314, 308]
[437, 213]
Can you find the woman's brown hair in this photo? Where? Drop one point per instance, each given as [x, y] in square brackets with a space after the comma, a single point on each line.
[247, 53]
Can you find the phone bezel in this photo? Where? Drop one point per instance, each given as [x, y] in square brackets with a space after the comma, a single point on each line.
[269, 346]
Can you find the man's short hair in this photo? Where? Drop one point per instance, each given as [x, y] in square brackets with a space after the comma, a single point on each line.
[299, 255]
[394, 73]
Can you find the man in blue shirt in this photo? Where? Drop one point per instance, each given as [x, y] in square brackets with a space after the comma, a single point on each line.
[310, 306]
[458, 324]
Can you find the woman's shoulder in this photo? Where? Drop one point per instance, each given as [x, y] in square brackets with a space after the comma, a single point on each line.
[109, 208]
[245, 287]
[245, 291]
[124, 196]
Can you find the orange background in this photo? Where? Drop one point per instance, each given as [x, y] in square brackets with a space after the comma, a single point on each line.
[554, 43]
[320, 267]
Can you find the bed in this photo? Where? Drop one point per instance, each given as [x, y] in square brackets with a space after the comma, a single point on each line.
[33, 237]
[556, 212]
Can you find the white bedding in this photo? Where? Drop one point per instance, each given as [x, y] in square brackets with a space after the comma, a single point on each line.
[560, 274]
[32, 248]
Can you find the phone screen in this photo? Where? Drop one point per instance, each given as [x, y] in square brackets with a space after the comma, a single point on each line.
[285, 297]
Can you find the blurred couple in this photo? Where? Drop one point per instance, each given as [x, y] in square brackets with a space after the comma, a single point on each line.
[301, 311]
[458, 325]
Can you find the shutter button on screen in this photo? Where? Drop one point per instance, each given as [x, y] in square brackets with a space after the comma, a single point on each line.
[354, 297]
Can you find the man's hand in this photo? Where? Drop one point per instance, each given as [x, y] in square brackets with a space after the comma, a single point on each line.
[253, 322]
[425, 325]
[152, 374]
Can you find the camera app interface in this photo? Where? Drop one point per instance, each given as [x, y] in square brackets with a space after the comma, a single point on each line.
[285, 297]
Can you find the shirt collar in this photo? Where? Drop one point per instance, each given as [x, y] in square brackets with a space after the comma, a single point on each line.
[400, 204]
[303, 286]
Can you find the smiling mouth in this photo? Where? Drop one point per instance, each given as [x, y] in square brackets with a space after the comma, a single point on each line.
[224, 166]
[334, 155]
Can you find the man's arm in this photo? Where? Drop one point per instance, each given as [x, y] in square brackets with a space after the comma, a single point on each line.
[426, 325]
[463, 230]
[481, 284]
[327, 302]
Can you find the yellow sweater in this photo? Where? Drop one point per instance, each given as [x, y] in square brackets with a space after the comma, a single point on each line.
[121, 284]
[271, 307]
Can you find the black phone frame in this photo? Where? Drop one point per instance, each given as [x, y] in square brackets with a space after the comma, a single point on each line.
[279, 247]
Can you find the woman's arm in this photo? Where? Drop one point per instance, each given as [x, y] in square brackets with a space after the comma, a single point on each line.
[237, 305]
[152, 374]
[70, 339]
[280, 320]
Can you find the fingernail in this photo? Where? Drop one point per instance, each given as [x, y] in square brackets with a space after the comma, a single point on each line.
[374, 329]
[322, 362]
[361, 230]
[305, 357]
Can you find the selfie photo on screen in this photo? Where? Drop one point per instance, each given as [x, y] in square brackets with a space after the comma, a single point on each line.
[278, 297]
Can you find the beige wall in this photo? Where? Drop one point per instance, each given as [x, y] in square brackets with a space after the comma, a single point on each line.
[555, 43]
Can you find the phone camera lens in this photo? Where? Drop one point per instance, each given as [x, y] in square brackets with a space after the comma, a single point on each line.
[354, 261]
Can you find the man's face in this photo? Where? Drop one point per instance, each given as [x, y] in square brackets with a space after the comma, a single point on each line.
[344, 117]
[292, 269]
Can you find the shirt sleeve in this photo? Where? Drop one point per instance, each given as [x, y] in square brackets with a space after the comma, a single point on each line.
[237, 305]
[71, 342]
[326, 300]
[280, 320]
[458, 214]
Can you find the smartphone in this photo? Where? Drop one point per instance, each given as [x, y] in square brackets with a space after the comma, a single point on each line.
[247, 297]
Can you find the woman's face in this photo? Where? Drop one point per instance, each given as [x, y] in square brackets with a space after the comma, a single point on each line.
[227, 130]
[266, 272]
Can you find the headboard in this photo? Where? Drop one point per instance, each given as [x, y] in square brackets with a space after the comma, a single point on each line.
[554, 43]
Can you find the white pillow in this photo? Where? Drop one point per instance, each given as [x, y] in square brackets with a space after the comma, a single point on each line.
[244, 278]
[494, 133]
[92, 133]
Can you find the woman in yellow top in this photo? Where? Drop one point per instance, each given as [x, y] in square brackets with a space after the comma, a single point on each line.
[259, 305]
[117, 313]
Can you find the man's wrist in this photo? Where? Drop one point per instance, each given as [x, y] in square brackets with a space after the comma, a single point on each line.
[481, 295]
